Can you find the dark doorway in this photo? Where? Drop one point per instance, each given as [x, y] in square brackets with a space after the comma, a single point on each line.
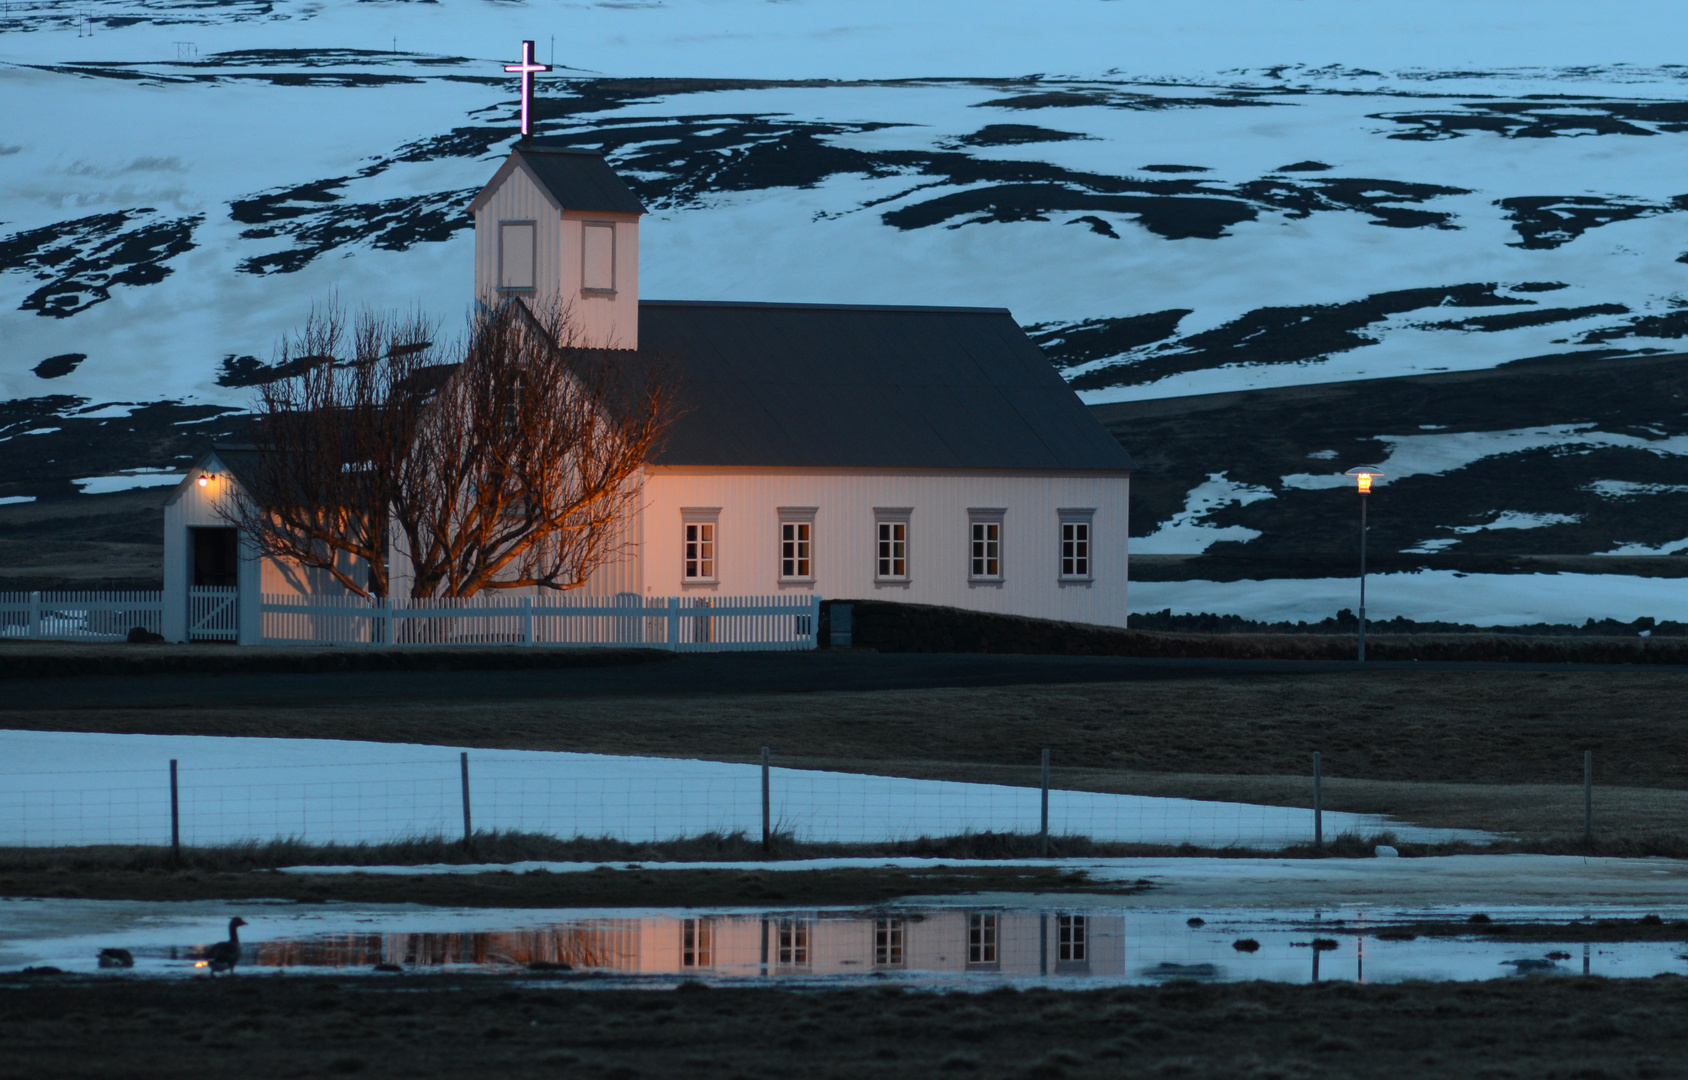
[216, 558]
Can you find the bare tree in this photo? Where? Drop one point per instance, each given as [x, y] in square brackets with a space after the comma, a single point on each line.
[506, 461]
[527, 461]
[331, 441]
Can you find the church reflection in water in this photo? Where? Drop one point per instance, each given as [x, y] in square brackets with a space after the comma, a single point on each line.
[1013, 943]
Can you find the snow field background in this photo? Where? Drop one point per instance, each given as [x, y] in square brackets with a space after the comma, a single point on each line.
[188, 110]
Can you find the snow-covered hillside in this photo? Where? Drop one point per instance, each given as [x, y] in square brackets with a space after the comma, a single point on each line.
[1176, 199]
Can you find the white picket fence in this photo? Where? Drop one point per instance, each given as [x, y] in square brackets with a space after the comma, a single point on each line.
[681, 623]
[79, 616]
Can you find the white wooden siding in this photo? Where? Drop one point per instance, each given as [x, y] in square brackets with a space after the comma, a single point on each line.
[747, 551]
[610, 322]
[518, 198]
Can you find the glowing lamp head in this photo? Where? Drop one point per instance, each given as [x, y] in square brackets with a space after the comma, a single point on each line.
[1363, 476]
[204, 480]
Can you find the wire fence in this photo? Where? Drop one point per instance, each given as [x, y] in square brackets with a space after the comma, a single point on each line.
[376, 799]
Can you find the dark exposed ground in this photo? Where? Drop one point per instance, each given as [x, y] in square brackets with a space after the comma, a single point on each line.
[1260, 436]
[518, 1026]
[1441, 725]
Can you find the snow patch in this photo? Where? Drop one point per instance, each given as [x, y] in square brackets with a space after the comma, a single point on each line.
[1434, 455]
[137, 478]
[1428, 596]
[1668, 548]
[1516, 519]
[81, 788]
[1624, 489]
[1186, 533]
[108, 412]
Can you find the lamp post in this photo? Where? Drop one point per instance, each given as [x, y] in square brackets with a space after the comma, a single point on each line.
[1363, 476]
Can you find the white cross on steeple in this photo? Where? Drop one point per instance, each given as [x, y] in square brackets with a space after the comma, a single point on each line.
[527, 67]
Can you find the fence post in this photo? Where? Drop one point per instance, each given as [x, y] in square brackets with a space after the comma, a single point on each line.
[674, 623]
[1045, 830]
[767, 834]
[35, 614]
[527, 620]
[1588, 797]
[1318, 803]
[468, 830]
[175, 818]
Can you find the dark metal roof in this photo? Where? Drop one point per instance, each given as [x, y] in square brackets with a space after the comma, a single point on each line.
[579, 179]
[832, 385]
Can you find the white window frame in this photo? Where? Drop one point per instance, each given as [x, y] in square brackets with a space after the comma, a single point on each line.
[533, 257]
[984, 939]
[890, 943]
[793, 944]
[587, 290]
[891, 545]
[697, 943]
[796, 555]
[1076, 550]
[700, 545]
[982, 551]
[1072, 940]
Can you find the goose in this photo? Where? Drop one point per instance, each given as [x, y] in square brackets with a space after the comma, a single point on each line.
[224, 955]
[117, 958]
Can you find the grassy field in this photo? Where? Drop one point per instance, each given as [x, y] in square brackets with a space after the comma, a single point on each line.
[419, 1026]
[1489, 748]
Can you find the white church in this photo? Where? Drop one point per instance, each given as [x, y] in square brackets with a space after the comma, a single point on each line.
[926, 455]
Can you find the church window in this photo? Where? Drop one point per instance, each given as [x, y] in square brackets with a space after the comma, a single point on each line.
[891, 545]
[888, 942]
[981, 940]
[797, 543]
[597, 252]
[697, 943]
[515, 255]
[984, 545]
[1069, 939]
[793, 943]
[699, 544]
[1075, 544]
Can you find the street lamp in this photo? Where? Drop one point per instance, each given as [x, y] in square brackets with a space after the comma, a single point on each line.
[1363, 476]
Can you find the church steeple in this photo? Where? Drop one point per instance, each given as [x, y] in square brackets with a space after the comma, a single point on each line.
[556, 226]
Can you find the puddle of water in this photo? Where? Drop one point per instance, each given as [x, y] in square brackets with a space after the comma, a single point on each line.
[954, 947]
